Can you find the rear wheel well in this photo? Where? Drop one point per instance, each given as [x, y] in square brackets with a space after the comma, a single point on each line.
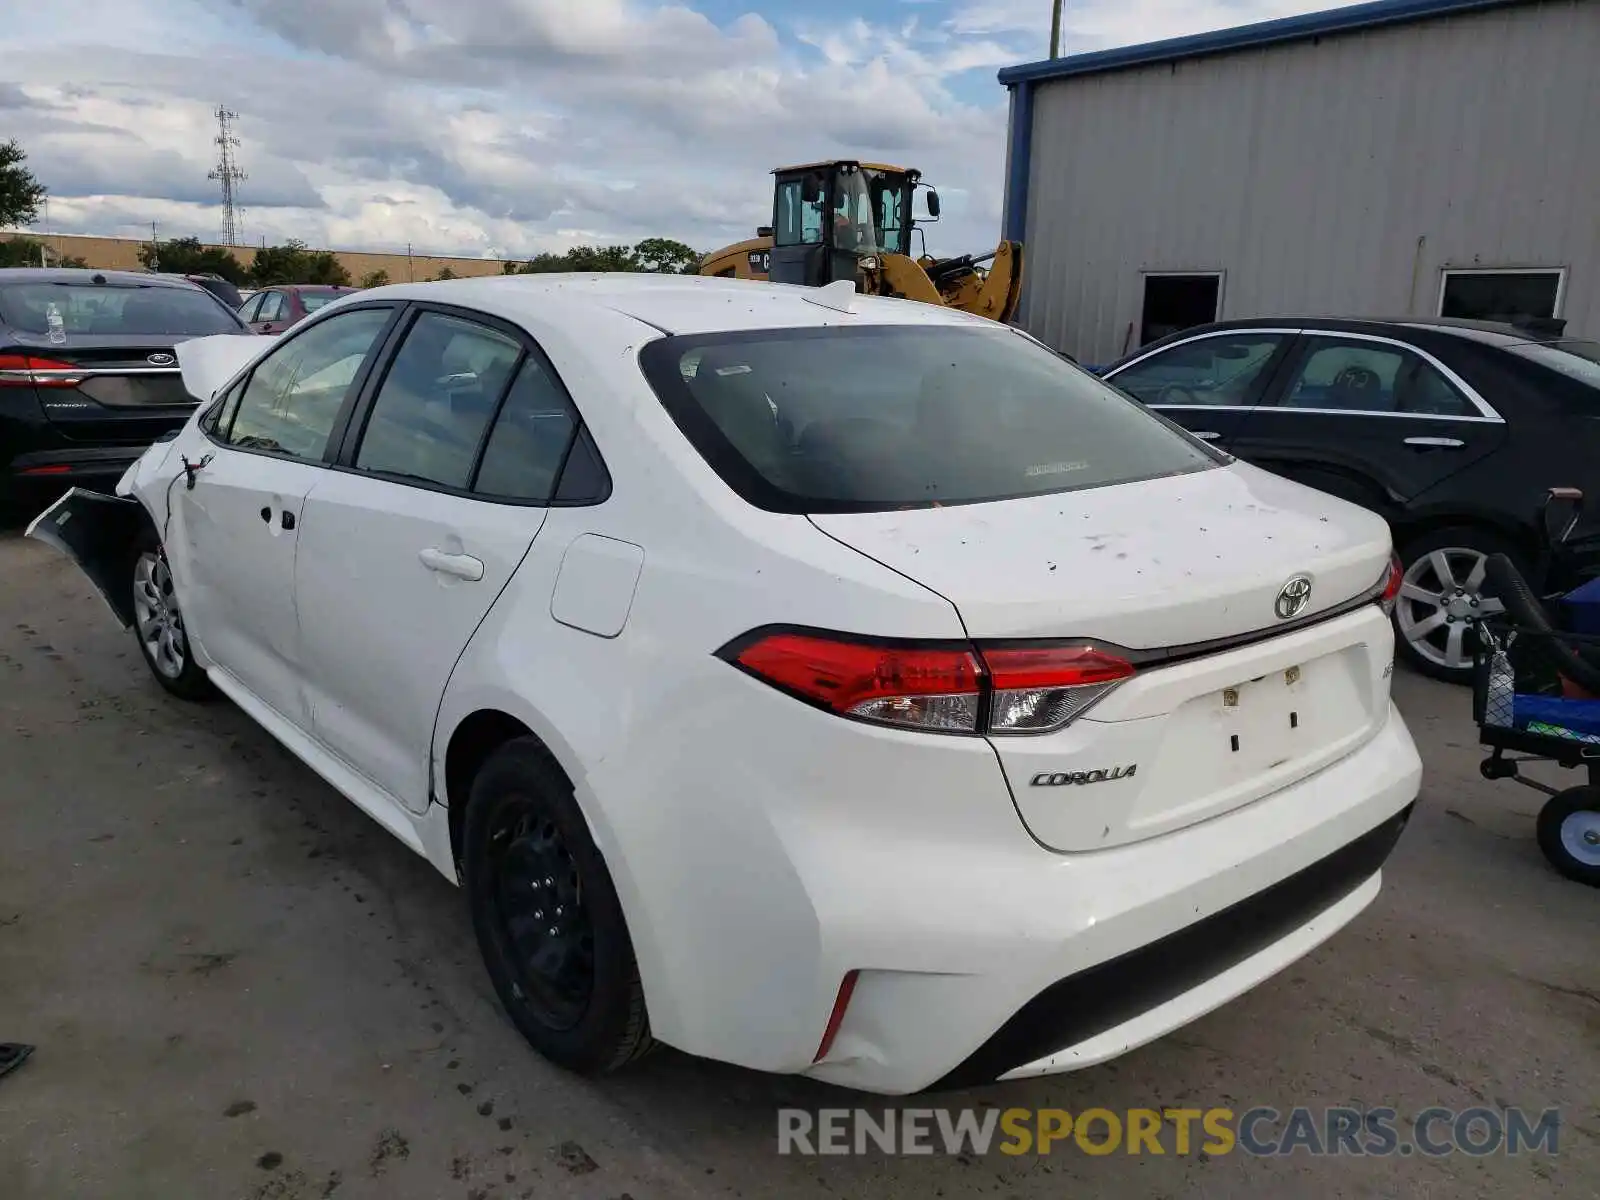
[1407, 532]
[474, 740]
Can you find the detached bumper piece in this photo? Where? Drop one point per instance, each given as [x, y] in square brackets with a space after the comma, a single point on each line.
[98, 533]
[1106, 995]
[12, 1056]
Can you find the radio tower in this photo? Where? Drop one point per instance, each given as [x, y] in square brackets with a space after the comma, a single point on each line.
[227, 172]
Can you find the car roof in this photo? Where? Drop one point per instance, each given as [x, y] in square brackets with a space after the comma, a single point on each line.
[1493, 333]
[90, 275]
[673, 304]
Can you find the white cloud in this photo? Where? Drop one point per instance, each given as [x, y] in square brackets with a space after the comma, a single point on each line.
[514, 126]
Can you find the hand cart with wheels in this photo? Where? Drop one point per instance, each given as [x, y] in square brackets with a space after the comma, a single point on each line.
[1536, 696]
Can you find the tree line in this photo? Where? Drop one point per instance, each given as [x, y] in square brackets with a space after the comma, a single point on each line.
[22, 196]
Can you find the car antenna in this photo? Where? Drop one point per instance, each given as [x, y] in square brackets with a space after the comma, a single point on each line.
[840, 295]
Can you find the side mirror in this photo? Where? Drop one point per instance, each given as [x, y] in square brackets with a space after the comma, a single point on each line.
[763, 230]
[933, 203]
[1559, 514]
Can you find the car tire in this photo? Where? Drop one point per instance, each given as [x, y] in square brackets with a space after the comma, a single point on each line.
[1433, 615]
[158, 624]
[548, 921]
[1569, 834]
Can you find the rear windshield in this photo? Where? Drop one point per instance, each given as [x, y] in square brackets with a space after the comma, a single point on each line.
[88, 308]
[315, 300]
[888, 417]
[1575, 359]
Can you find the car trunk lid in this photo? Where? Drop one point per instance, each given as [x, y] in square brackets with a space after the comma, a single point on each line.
[115, 390]
[1235, 697]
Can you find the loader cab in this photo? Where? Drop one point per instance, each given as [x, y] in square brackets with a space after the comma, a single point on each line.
[830, 219]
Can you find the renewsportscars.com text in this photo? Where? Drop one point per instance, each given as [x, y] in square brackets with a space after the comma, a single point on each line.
[1262, 1132]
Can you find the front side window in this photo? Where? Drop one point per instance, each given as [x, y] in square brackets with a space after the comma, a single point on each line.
[871, 419]
[436, 400]
[1227, 371]
[1355, 376]
[292, 400]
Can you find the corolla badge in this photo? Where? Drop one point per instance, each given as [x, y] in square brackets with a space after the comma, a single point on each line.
[1293, 598]
[161, 359]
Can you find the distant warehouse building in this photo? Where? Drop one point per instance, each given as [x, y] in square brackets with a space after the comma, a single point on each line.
[1399, 158]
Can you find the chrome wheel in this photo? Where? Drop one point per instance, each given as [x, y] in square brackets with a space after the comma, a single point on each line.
[155, 611]
[1441, 595]
[1580, 836]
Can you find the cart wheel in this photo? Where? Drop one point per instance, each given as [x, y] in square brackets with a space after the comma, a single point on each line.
[1569, 834]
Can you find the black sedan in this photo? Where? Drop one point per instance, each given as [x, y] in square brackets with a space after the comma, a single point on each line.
[1451, 430]
[88, 377]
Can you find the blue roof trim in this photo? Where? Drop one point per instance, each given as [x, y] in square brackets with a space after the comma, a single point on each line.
[1264, 33]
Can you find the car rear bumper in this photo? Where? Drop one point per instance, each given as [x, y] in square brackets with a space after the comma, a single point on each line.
[41, 474]
[1055, 962]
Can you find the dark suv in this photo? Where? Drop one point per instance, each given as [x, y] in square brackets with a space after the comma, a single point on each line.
[1452, 430]
[88, 374]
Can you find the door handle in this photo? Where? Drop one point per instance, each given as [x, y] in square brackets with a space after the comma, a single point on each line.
[1208, 435]
[1435, 443]
[462, 566]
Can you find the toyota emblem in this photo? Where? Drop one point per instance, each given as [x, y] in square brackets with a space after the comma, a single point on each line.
[1293, 598]
[161, 359]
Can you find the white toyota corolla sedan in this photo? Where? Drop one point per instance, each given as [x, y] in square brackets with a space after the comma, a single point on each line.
[819, 683]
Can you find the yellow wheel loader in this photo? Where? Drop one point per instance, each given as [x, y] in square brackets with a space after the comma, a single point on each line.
[852, 220]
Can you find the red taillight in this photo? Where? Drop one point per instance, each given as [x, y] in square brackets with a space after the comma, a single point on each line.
[29, 370]
[53, 469]
[938, 687]
[1391, 585]
[836, 1017]
[921, 687]
[1041, 688]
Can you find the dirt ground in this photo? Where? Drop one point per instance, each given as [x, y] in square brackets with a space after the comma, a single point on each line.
[241, 987]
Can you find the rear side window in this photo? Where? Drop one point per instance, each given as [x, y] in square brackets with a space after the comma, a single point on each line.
[1358, 376]
[436, 400]
[885, 417]
[530, 438]
[92, 309]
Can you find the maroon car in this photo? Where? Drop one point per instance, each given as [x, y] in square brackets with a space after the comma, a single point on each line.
[276, 307]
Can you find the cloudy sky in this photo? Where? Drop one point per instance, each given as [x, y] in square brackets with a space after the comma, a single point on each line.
[506, 127]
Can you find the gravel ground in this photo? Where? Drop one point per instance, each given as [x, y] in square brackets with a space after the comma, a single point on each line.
[240, 987]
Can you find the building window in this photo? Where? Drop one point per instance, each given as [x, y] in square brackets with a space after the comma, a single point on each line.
[1515, 295]
[1175, 302]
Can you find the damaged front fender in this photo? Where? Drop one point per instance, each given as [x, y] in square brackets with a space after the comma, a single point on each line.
[100, 533]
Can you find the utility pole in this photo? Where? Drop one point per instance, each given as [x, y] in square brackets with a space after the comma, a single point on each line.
[155, 249]
[1055, 28]
[411, 266]
[227, 173]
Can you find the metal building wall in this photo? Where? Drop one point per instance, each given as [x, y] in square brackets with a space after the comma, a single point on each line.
[1332, 176]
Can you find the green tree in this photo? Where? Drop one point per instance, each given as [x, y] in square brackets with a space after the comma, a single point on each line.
[323, 266]
[20, 252]
[20, 193]
[280, 264]
[667, 257]
[374, 279]
[186, 256]
[446, 273]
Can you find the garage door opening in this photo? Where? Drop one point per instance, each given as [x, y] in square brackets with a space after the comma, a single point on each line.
[1174, 302]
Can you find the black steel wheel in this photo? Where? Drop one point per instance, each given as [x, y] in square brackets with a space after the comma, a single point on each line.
[548, 921]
